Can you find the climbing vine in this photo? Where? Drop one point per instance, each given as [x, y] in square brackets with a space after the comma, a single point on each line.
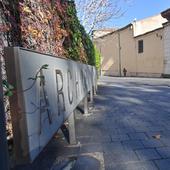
[46, 26]
[97, 59]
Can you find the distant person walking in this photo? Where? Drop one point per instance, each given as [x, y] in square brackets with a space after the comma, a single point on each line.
[124, 72]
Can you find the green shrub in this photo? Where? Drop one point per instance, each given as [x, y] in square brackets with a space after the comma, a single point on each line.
[97, 59]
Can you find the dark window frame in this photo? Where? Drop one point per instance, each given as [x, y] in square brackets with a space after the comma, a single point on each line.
[140, 46]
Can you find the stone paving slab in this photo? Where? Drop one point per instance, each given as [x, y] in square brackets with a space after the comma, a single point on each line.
[164, 152]
[163, 164]
[119, 137]
[152, 143]
[147, 165]
[113, 146]
[136, 136]
[94, 139]
[119, 157]
[132, 144]
[147, 154]
[91, 148]
[166, 141]
[156, 128]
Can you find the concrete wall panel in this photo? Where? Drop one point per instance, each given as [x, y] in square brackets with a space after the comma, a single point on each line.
[44, 99]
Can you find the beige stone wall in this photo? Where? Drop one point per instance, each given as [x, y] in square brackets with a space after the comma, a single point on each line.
[117, 51]
[150, 62]
[128, 58]
[108, 47]
[148, 24]
[166, 45]
[102, 32]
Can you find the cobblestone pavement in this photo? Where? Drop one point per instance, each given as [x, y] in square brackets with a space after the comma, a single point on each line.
[130, 127]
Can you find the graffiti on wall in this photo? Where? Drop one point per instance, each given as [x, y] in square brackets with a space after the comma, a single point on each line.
[47, 91]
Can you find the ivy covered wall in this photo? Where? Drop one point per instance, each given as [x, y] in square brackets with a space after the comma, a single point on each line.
[47, 26]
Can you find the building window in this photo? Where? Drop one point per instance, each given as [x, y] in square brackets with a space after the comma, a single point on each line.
[140, 46]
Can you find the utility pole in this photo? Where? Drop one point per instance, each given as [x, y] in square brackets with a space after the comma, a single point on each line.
[120, 65]
[4, 157]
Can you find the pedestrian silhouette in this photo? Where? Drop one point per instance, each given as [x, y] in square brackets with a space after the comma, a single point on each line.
[124, 72]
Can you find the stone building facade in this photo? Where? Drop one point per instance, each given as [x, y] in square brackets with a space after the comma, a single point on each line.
[139, 48]
[166, 43]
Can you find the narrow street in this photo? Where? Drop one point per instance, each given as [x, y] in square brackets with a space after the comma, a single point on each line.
[135, 114]
[129, 128]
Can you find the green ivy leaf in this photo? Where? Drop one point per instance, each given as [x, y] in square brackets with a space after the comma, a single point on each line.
[41, 77]
[8, 93]
[5, 84]
[45, 66]
[10, 87]
[31, 78]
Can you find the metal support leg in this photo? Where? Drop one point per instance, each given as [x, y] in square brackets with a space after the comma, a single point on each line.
[72, 132]
[86, 105]
[91, 95]
[65, 132]
[94, 90]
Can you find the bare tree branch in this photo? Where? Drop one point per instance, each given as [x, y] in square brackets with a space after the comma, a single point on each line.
[94, 13]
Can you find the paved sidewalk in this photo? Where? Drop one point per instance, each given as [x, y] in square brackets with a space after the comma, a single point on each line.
[128, 130]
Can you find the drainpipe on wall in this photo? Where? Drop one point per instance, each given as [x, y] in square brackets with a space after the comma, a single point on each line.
[100, 69]
[120, 74]
[136, 53]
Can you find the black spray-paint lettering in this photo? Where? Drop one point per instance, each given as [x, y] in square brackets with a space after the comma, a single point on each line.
[60, 94]
[70, 91]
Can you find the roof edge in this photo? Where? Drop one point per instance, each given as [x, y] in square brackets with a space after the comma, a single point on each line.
[166, 14]
[121, 29]
[148, 32]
